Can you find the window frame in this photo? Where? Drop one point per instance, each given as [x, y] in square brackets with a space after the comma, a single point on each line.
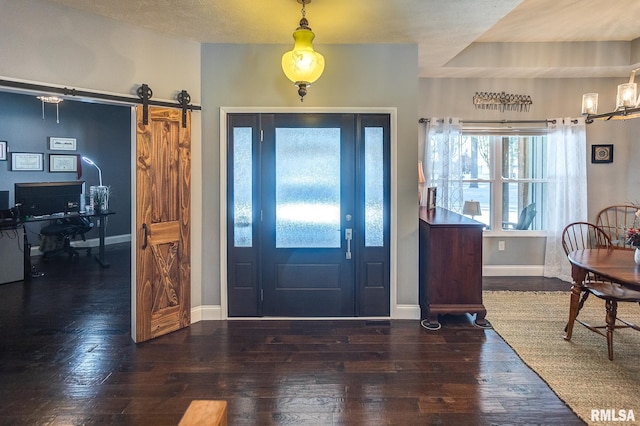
[496, 179]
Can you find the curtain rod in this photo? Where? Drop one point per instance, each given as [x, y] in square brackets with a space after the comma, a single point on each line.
[426, 120]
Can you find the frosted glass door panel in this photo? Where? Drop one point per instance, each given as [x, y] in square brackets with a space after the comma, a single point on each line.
[242, 184]
[308, 188]
[374, 187]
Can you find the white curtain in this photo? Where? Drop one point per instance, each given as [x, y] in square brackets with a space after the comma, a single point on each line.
[567, 189]
[443, 165]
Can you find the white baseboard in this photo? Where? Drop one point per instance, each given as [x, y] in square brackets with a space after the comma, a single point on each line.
[512, 270]
[214, 312]
[406, 312]
[206, 313]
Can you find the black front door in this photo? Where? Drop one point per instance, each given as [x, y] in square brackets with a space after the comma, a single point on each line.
[308, 208]
[313, 216]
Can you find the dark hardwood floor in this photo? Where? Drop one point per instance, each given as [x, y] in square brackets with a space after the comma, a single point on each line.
[67, 358]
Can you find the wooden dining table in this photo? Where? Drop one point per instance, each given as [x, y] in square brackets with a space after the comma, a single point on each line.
[615, 265]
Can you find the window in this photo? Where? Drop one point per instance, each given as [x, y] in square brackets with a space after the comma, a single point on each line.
[504, 171]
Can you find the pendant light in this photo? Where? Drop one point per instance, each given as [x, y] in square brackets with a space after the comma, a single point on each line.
[303, 65]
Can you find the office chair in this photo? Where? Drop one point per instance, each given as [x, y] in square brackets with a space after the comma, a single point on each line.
[9, 218]
[56, 237]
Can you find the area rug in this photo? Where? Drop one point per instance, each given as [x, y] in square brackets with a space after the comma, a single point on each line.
[578, 371]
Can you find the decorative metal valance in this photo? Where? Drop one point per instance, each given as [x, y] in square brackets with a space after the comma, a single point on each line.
[502, 101]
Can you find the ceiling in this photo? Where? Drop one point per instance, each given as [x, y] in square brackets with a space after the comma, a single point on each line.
[455, 38]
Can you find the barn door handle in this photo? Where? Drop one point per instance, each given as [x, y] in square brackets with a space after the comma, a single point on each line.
[146, 235]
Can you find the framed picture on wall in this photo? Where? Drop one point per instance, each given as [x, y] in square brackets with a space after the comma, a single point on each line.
[27, 161]
[3, 150]
[62, 144]
[602, 153]
[63, 163]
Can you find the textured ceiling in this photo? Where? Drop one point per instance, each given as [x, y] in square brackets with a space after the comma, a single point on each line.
[457, 38]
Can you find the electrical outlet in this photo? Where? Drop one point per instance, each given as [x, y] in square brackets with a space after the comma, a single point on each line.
[500, 245]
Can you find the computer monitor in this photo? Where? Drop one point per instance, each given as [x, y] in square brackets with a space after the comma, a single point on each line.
[44, 198]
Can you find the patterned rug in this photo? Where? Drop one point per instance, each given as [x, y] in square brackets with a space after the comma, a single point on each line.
[599, 391]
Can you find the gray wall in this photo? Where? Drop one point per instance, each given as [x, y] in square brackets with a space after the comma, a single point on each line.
[48, 42]
[608, 184]
[53, 44]
[355, 76]
[102, 133]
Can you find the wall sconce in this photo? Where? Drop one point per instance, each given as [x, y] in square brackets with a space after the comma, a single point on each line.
[303, 65]
[589, 103]
[472, 208]
[51, 100]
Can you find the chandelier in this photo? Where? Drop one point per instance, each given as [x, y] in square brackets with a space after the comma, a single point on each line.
[627, 102]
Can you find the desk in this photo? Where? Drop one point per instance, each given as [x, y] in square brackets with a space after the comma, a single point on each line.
[11, 257]
[614, 264]
[100, 218]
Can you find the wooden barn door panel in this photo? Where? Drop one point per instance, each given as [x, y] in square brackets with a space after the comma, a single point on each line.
[163, 302]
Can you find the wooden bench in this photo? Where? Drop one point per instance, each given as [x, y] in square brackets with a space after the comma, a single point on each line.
[204, 412]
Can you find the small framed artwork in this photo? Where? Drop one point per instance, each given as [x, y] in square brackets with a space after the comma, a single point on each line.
[602, 153]
[63, 163]
[3, 150]
[431, 197]
[27, 161]
[62, 144]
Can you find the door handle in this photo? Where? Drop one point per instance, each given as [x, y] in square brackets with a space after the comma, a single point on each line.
[348, 235]
[146, 235]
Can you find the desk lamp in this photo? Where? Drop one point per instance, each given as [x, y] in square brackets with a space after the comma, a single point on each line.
[97, 194]
[90, 161]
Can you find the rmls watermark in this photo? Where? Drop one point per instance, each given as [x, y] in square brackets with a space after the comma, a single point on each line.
[612, 415]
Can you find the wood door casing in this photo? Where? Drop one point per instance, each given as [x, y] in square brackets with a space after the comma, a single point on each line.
[163, 200]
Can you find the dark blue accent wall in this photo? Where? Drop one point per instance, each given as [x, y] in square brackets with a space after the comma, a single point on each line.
[102, 133]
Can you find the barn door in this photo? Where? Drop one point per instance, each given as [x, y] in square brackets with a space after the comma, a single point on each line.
[163, 176]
